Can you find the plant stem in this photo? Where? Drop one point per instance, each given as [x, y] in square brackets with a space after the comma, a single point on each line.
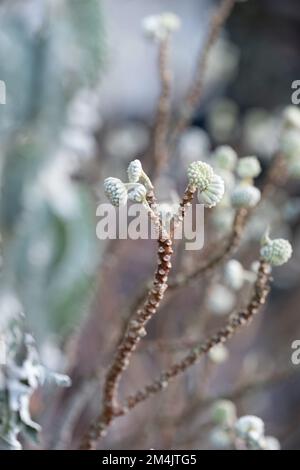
[195, 91]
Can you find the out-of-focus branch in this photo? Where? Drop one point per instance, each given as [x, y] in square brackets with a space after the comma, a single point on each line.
[234, 323]
[195, 91]
[135, 331]
[162, 120]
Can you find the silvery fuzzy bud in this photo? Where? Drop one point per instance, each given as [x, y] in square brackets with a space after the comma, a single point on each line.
[134, 171]
[245, 195]
[248, 167]
[170, 21]
[225, 157]
[276, 252]
[158, 27]
[220, 438]
[291, 117]
[247, 424]
[214, 192]
[137, 193]
[234, 274]
[289, 144]
[115, 191]
[224, 413]
[271, 443]
[220, 300]
[200, 175]
[136, 174]
[218, 354]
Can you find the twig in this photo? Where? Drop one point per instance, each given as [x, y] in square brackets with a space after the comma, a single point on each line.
[194, 94]
[135, 331]
[161, 126]
[234, 323]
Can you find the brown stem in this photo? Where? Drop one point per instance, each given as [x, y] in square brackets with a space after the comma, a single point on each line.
[161, 126]
[135, 331]
[234, 323]
[195, 91]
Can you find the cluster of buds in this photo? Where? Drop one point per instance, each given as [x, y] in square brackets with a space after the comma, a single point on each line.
[239, 175]
[290, 140]
[244, 433]
[135, 190]
[210, 186]
[245, 194]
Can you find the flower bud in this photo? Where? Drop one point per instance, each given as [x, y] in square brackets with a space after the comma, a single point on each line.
[248, 167]
[134, 171]
[200, 175]
[224, 413]
[245, 195]
[137, 194]
[225, 157]
[115, 191]
[276, 252]
[214, 192]
[247, 424]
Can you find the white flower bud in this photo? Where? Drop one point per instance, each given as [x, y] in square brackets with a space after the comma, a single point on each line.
[271, 443]
[225, 157]
[290, 144]
[158, 27]
[170, 22]
[248, 167]
[234, 274]
[276, 252]
[255, 440]
[220, 300]
[200, 175]
[218, 354]
[224, 413]
[137, 193]
[245, 195]
[134, 171]
[214, 192]
[220, 438]
[291, 117]
[247, 424]
[115, 191]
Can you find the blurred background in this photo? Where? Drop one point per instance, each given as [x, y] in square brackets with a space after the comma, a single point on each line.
[81, 93]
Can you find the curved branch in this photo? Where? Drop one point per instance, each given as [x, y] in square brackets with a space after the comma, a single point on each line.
[194, 94]
[136, 329]
[234, 324]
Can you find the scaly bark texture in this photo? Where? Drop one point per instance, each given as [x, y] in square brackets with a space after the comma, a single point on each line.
[136, 327]
[235, 322]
